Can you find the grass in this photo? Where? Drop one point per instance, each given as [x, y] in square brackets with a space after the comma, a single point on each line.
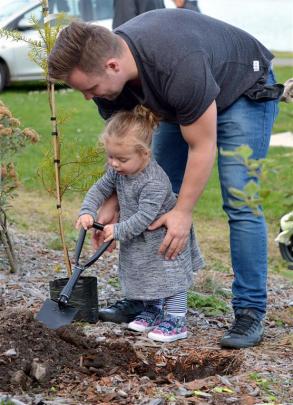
[80, 126]
[275, 204]
[284, 122]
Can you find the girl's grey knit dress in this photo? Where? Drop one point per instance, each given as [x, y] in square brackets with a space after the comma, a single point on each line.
[144, 197]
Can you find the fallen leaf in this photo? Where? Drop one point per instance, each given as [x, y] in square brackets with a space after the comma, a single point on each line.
[219, 390]
[201, 394]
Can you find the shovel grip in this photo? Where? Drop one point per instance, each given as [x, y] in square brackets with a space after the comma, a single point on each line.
[98, 226]
[67, 290]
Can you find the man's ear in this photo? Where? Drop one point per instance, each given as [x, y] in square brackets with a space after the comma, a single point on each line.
[112, 65]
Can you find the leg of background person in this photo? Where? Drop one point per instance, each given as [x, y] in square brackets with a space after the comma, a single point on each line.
[192, 5]
[245, 122]
[170, 151]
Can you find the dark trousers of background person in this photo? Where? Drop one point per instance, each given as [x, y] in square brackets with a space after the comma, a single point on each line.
[124, 10]
[192, 5]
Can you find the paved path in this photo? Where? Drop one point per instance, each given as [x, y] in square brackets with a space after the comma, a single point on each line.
[283, 62]
[283, 139]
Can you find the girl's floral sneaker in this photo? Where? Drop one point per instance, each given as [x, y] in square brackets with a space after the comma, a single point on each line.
[147, 320]
[170, 329]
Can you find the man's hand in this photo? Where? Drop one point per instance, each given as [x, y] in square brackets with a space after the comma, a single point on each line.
[108, 214]
[109, 232]
[178, 226]
[85, 221]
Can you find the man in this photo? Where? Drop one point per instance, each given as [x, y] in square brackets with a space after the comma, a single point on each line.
[213, 87]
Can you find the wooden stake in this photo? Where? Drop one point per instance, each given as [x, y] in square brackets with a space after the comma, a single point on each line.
[56, 146]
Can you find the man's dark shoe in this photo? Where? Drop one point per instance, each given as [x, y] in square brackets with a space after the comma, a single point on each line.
[122, 311]
[246, 331]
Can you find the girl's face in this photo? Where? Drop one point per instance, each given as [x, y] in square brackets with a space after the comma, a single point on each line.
[123, 156]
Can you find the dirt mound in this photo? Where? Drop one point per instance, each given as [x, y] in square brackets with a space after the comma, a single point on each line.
[31, 353]
[33, 356]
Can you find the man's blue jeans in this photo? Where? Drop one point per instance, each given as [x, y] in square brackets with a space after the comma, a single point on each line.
[244, 122]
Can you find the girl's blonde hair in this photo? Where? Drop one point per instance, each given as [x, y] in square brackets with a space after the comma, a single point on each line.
[139, 123]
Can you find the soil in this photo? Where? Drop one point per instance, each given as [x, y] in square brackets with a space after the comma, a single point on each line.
[105, 363]
[25, 341]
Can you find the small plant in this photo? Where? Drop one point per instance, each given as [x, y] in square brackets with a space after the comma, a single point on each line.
[114, 282]
[253, 194]
[12, 140]
[209, 305]
[265, 385]
[57, 175]
[39, 52]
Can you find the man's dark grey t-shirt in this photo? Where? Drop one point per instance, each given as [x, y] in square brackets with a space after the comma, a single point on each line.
[185, 61]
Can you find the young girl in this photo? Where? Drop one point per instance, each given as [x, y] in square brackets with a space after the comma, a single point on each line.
[144, 194]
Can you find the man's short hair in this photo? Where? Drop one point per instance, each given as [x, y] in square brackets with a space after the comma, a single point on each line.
[84, 46]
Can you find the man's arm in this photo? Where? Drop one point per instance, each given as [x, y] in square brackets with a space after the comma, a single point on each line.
[201, 137]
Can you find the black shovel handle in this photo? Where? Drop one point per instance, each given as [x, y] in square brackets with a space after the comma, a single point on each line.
[79, 245]
[81, 239]
[98, 253]
[101, 249]
[67, 290]
[98, 226]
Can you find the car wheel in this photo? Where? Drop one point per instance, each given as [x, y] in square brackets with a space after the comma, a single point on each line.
[3, 76]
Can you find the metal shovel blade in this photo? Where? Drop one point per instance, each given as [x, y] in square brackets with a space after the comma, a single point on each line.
[54, 316]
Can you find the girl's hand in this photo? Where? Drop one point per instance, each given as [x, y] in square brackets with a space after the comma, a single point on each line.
[85, 221]
[178, 226]
[108, 214]
[108, 232]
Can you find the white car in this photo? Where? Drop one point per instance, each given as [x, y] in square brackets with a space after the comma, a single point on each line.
[15, 64]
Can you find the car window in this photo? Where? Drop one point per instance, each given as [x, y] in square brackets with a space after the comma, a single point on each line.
[26, 21]
[104, 9]
[87, 10]
[9, 8]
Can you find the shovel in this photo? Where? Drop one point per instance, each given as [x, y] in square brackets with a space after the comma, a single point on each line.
[57, 313]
